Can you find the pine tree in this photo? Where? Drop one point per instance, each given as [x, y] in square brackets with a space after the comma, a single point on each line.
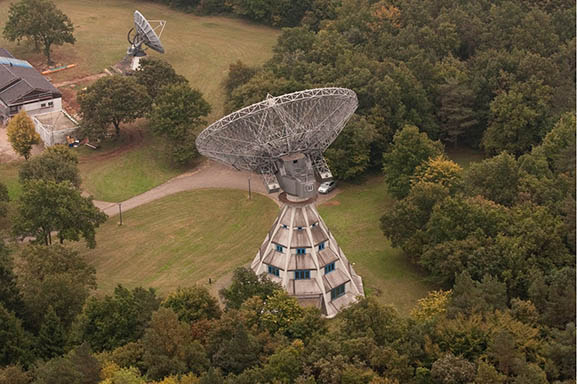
[52, 336]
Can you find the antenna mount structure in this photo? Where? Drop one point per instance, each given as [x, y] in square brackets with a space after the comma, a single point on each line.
[145, 32]
[283, 138]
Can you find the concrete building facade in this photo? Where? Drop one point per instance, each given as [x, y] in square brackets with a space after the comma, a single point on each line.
[301, 254]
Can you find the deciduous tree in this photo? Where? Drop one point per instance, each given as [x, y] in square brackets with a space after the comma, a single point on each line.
[112, 100]
[78, 366]
[350, 155]
[154, 74]
[246, 284]
[41, 22]
[169, 347]
[47, 206]
[176, 113]
[57, 163]
[113, 321]
[53, 276]
[410, 148]
[520, 118]
[450, 369]
[192, 304]
[496, 179]
[21, 134]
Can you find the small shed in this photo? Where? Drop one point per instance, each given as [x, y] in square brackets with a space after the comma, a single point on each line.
[53, 127]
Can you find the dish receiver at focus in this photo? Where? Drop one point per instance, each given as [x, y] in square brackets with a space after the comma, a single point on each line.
[282, 138]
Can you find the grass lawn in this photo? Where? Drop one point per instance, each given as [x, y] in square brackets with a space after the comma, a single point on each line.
[115, 176]
[181, 240]
[129, 175]
[177, 241]
[353, 217]
[199, 48]
[9, 176]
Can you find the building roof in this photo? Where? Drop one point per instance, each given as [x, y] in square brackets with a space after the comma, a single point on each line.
[5, 53]
[20, 82]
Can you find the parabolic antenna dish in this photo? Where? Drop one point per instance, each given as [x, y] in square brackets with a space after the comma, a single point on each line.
[254, 137]
[146, 34]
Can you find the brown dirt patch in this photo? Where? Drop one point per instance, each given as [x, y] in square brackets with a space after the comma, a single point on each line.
[131, 139]
[332, 203]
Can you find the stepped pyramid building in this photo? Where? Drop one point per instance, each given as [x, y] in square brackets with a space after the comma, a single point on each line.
[302, 255]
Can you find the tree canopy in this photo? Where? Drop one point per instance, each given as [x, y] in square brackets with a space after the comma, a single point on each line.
[57, 163]
[40, 22]
[176, 114]
[111, 100]
[48, 206]
[154, 74]
[22, 135]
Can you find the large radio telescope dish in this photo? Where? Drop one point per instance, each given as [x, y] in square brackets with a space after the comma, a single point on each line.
[145, 34]
[255, 137]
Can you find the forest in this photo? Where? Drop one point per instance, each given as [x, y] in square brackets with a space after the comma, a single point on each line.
[496, 238]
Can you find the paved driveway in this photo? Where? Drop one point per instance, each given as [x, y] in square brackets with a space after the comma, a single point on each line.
[210, 174]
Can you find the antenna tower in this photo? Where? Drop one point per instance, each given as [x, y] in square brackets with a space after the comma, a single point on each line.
[283, 138]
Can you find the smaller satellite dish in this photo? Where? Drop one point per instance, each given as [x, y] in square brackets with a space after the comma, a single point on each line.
[144, 33]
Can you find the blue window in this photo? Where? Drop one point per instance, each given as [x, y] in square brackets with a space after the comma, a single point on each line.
[300, 228]
[301, 251]
[279, 248]
[302, 275]
[329, 267]
[314, 225]
[273, 270]
[285, 226]
[337, 292]
[321, 246]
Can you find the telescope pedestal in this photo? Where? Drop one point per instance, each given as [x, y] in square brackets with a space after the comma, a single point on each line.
[302, 255]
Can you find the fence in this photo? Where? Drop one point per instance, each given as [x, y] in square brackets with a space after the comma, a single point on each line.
[53, 127]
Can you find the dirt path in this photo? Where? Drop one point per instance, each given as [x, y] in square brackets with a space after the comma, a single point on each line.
[209, 174]
[87, 78]
[7, 154]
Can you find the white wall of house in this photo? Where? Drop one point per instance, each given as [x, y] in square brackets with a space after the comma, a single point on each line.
[43, 106]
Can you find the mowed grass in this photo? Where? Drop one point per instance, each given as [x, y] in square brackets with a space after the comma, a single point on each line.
[181, 240]
[115, 177]
[353, 217]
[199, 48]
[138, 171]
[9, 177]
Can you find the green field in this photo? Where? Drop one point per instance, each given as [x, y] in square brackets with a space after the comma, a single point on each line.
[199, 48]
[112, 176]
[138, 171]
[353, 217]
[188, 237]
[181, 240]
[9, 176]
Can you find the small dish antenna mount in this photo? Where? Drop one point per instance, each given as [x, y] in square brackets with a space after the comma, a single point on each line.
[145, 32]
